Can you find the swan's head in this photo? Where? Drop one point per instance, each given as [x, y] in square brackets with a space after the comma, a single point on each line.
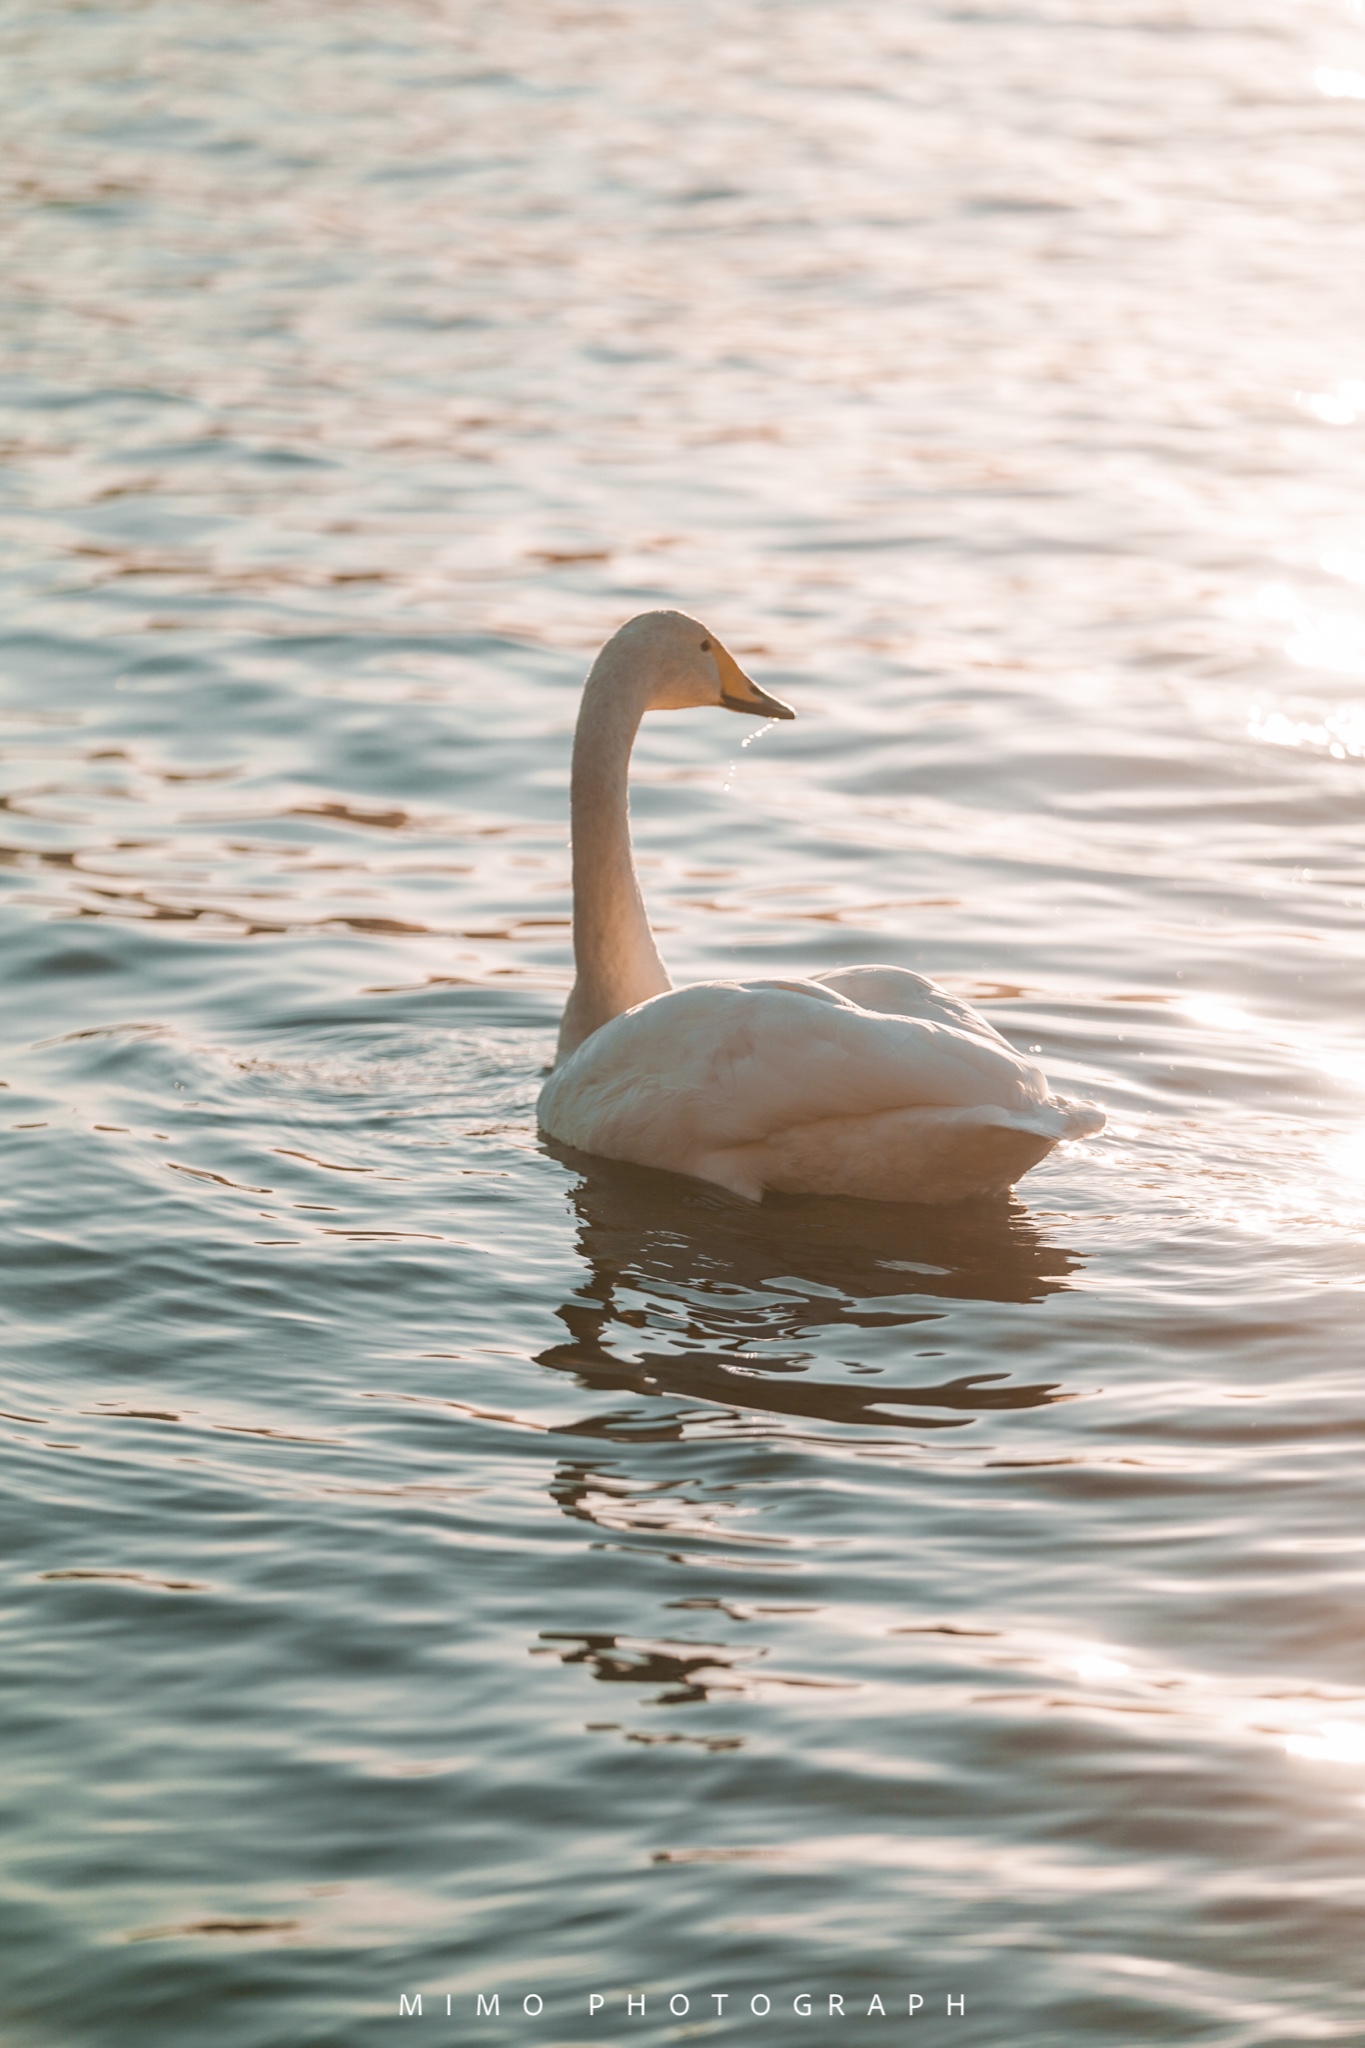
[686, 664]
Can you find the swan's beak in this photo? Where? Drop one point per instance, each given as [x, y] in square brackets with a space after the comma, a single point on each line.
[739, 692]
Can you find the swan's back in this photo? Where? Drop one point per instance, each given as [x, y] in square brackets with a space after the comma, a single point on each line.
[899, 992]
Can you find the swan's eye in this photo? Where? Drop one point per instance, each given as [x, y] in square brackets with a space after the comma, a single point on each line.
[706, 646]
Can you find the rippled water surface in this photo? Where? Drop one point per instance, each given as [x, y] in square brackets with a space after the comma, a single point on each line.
[437, 1564]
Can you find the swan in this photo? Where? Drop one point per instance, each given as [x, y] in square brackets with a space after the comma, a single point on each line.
[865, 1081]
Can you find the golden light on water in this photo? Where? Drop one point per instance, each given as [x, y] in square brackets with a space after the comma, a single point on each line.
[1340, 734]
[1340, 1063]
[1339, 85]
[1218, 1012]
[1340, 407]
[1348, 563]
[1097, 1666]
[1319, 637]
[1280, 1709]
[1277, 1177]
[1346, 1154]
[1336, 1742]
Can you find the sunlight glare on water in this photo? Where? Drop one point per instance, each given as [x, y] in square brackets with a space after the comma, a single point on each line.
[439, 1563]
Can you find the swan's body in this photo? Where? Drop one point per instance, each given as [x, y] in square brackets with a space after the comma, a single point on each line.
[872, 1082]
[867, 1081]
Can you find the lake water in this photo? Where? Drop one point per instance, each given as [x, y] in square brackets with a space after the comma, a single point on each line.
[434, 1565]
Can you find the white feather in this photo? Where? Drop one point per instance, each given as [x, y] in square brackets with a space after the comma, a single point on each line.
[790, 1085]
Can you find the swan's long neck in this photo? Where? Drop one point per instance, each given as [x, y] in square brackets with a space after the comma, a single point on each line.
[615, 956]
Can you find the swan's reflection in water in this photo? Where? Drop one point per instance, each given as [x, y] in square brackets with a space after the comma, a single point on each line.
[751, 1319]
[689, 1673]
[692, 1294]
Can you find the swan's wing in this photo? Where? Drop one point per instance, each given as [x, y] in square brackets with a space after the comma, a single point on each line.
[700, 1070]
[897, 992]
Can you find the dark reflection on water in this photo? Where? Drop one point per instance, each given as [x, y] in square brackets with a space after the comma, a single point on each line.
[735, 1286]
[688, 1672]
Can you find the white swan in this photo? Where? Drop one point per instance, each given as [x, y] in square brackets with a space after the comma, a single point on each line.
[866, 1081]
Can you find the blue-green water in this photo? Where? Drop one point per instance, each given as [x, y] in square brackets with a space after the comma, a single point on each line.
[435, 1565]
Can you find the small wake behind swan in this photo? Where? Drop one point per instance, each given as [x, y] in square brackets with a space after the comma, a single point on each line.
[867, 1081]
